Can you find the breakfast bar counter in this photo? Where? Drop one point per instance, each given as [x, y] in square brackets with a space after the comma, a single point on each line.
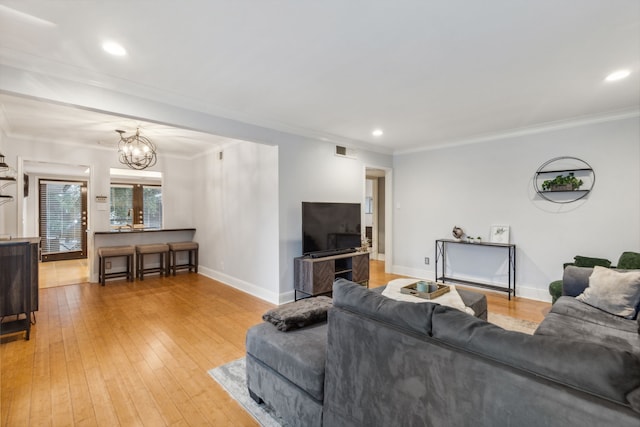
[133, 237]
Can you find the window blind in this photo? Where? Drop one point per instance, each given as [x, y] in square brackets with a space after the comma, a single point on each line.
[60, 216]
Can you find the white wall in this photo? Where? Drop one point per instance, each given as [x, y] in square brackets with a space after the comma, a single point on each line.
[237, 217]
[307, 170]
[177, 176]
[475, 186]
[311, 172]
[177, 182]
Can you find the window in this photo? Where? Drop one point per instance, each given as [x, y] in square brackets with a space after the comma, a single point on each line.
[133, 204]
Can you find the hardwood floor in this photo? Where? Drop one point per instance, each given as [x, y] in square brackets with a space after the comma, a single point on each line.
[60, 273]
[138, 353]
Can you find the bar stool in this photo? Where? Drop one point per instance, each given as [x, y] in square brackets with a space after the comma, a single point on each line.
[192, 248]
[107, 252]
[152, 249]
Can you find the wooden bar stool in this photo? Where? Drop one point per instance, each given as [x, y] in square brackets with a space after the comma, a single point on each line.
[107, 252]
[152, 249]
[192, 248]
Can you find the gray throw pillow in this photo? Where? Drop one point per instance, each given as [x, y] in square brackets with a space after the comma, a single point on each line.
[299, 314]
[613, 291]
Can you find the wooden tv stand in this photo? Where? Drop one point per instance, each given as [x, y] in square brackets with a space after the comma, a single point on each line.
[315, 276]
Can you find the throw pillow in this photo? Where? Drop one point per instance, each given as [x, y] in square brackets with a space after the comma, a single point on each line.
[299, 314]
[584, 261]
[613, 291]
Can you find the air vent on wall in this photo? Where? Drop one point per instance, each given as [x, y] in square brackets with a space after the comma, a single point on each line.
[345, 152]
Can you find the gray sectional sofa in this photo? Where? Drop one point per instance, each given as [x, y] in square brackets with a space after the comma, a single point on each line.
[380, 362]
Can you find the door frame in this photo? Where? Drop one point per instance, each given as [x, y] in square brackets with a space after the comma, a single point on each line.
[388, 207]
[84, 204]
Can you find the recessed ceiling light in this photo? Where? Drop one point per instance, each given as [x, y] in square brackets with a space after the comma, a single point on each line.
[114, 48]
[377, 132]
[617, 75]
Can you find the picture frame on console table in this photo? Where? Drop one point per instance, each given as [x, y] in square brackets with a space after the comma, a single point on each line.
[499, 234]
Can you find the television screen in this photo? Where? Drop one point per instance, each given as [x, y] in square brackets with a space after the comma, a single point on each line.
[330, 227]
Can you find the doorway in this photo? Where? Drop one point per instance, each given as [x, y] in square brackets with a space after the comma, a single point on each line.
[375, 212]
[63, 219]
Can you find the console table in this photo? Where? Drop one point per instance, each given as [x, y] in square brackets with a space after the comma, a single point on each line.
[315, 276]
[509, 251]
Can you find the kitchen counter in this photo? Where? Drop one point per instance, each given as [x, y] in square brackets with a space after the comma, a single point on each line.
[134, 237]
[20, 240]
[142, 230]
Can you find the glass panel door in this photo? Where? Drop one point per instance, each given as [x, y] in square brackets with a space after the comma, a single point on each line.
[152, 206]
[136, 206]
[63, 219]
[121, 206]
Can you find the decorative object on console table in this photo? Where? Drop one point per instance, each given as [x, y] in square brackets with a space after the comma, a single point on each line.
[315, 276]
[499, 234]
[457, 232]
[441, 274]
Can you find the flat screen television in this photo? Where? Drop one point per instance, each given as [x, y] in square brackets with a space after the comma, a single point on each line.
[330, 228]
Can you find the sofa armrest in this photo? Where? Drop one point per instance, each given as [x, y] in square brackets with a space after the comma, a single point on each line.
[575, 280]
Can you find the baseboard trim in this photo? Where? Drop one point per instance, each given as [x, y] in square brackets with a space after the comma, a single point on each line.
[241, 285]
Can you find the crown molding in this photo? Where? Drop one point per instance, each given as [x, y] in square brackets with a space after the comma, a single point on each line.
[530, 130]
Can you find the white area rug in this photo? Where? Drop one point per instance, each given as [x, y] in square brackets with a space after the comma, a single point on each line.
[232, 376]
[512, 324]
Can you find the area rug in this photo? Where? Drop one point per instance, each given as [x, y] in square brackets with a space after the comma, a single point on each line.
[232, 376]
[512, 324]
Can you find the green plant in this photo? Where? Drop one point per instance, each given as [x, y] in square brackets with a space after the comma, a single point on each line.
[562, 181]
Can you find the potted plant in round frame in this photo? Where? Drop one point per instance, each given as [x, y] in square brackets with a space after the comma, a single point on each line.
[562, 183]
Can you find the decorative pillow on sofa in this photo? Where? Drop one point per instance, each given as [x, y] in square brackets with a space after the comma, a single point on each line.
[299, 314]
[613, 291]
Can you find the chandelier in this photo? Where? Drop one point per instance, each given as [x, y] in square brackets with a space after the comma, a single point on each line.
[136, 151]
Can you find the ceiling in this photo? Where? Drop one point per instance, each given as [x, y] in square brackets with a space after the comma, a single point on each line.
[428, 73]
[30, 118]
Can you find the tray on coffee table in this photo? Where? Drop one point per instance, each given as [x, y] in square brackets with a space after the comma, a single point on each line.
[434, 290]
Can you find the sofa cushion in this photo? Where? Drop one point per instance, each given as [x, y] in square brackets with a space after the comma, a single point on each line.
[571, 319]
[298, 355]
[613, 291]
[475, 300]
[356, 298]
[612, 374]
[575, 280]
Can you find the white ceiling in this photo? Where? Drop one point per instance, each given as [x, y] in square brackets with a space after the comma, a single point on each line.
[428, 73]
[29, 118]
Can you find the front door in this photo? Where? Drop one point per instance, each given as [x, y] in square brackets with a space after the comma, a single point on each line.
[63, 219]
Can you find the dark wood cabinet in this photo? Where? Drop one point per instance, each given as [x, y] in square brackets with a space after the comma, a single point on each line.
[18, 284]
[315, 276]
